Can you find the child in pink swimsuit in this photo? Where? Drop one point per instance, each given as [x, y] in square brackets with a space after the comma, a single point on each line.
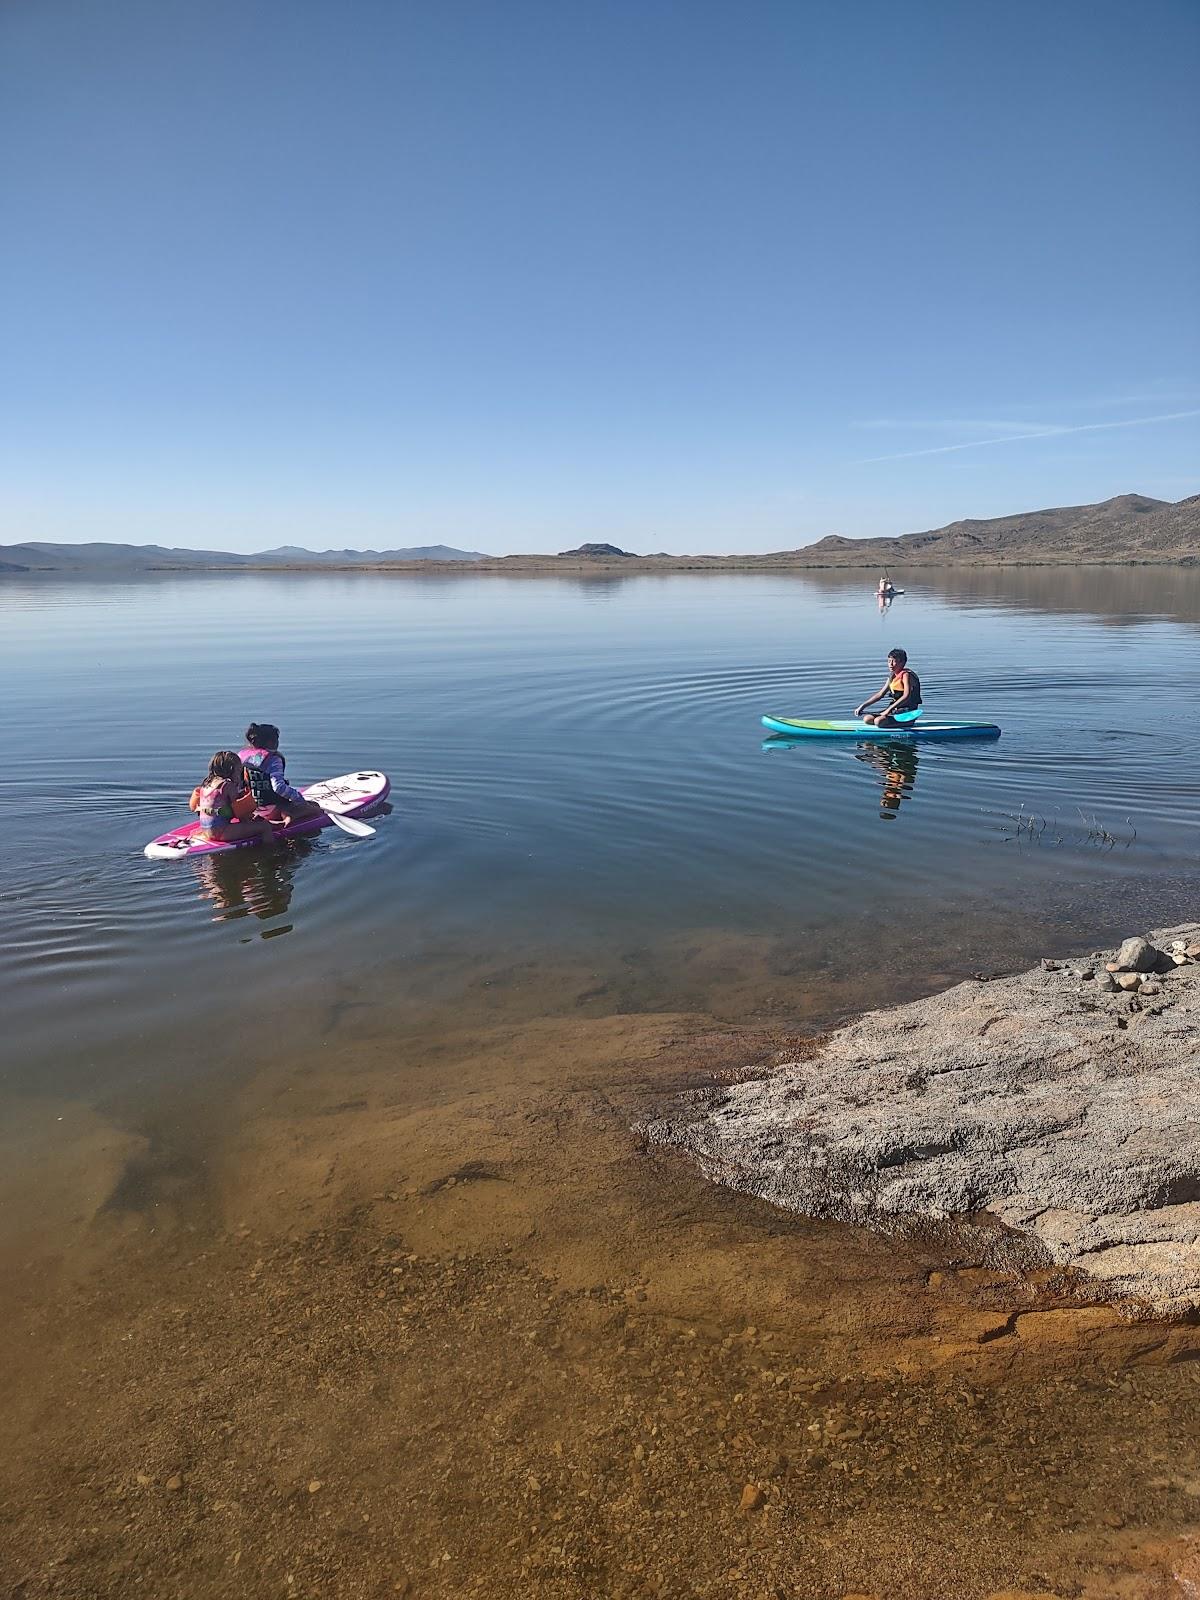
[225, 806]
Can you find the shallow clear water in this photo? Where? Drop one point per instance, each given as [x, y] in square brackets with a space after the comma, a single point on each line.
[578, 771]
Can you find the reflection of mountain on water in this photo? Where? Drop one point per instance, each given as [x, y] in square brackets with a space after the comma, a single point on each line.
[1124, 596]
[598, 585]
[252, 883]
[1117, 594]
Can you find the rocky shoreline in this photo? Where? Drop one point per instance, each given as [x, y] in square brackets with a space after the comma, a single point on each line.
[1062, 1103]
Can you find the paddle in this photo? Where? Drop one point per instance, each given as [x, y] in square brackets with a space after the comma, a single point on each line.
[901, 716]
[350, 825]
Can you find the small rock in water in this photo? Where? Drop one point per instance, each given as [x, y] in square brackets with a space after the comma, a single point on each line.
[1136, 955]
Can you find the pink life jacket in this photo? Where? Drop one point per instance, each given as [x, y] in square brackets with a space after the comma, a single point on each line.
[215, 798]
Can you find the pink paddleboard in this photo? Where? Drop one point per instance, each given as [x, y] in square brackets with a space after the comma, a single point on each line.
[353, 793]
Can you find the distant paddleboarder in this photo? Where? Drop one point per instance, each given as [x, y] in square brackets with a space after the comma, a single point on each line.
[902, 685]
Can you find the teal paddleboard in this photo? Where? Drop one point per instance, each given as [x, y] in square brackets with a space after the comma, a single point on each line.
[856, 728]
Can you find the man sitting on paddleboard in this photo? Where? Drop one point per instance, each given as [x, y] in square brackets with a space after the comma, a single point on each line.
[904, 687]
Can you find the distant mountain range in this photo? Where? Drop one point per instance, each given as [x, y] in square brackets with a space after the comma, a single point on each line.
[1128, 529]
[291, 553]
[1131, 527]
[36, 556]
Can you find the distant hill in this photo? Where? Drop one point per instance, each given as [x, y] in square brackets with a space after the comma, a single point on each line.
[38, 557]
[41, 557]
[1130, 527]
[594, 552]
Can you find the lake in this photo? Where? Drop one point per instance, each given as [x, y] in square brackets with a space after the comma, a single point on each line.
[324, 1237]
[578, 774]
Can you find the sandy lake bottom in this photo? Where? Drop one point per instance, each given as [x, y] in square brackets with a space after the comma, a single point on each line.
[415, 1311]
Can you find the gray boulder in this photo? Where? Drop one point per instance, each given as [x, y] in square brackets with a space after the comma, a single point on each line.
[1137, 955]
[1044, 1101]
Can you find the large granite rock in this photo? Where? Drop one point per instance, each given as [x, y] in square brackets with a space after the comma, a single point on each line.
[1068, 1111]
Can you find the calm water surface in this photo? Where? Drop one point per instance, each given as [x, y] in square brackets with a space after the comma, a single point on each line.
[578, 773]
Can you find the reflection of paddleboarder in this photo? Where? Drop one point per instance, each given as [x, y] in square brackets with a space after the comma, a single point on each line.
[254, 883]
[897, 761]
[904, 687]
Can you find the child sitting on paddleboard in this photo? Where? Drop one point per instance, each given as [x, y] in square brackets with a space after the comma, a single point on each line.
[265, 769]
[904, 687]
[225, 805]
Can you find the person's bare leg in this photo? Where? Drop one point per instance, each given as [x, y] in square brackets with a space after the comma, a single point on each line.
[301, 811]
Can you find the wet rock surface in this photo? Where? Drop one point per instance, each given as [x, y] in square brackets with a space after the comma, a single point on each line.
[1067, 1110]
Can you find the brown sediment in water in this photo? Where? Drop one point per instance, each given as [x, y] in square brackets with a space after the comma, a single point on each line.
[426, 1318]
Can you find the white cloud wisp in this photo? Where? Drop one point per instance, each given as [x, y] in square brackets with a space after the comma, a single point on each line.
[1041, 433]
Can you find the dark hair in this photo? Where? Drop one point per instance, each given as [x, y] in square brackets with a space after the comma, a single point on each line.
[225, 764]
[900, 655]
[263, 735]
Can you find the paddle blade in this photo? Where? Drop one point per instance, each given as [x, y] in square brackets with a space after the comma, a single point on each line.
[350, 825]
[901, 716]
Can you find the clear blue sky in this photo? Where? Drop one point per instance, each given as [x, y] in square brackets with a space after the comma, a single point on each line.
[510, 274]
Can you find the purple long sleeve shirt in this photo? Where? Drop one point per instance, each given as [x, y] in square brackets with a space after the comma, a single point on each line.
[272, 765]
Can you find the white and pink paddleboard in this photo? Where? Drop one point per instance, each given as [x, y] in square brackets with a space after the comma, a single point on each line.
[353, 793]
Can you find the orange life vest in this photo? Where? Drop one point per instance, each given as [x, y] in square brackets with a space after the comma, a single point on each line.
[896, 686]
